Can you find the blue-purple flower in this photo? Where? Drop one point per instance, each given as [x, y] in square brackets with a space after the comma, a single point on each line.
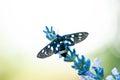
[71, 57]
[82, 65]
[50, 34]
[99, 70]
[115, 75]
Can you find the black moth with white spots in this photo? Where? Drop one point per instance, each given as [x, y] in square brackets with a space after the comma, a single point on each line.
[61, 44]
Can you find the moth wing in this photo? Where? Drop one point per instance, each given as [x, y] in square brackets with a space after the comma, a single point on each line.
[46, 51]
[76, 37]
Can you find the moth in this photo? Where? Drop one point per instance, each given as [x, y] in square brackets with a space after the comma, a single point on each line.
[61, 43]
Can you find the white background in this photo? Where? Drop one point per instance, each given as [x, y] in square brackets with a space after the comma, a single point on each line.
[22, 23]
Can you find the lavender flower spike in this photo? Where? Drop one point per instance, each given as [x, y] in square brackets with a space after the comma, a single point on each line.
[50, 33]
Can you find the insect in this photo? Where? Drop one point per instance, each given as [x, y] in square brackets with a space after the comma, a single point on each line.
[61, 43]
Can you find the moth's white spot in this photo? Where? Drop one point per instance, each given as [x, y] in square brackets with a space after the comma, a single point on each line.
[61, 42]
[65, 42]
[69, 42]
[63, 51]
[72, 38]
[65, 36]
[80, 34]
[43, 51]
[46, 53]
[72, 35]
[52, 48]
[56, 48]
[58, 45]
[48, 46]
[79, 37]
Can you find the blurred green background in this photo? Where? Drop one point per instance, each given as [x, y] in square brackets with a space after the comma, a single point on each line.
[21, 36]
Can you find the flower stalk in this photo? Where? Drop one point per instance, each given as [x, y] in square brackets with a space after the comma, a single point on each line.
[86, 71]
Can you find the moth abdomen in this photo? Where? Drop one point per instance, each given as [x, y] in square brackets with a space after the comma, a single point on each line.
[63, 53]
